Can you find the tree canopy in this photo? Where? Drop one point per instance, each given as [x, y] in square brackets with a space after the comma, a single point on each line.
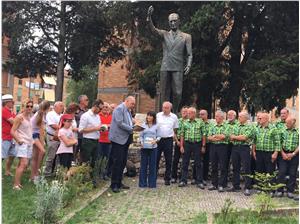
[244, 53]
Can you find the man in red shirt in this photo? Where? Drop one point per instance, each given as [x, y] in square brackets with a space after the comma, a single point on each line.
[104, 145]
[8, 148]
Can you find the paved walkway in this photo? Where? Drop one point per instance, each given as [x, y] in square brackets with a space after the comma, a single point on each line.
[165, 204]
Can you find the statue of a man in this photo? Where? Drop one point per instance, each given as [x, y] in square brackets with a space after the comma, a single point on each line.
[176, 45]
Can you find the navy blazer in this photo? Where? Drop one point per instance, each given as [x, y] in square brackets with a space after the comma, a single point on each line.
[120, 128]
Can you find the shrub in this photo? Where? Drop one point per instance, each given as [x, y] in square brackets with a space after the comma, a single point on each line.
[266, 184]
[48, 201]
[76, 181]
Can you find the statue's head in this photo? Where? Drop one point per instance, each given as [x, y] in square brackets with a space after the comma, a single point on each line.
[174, 21]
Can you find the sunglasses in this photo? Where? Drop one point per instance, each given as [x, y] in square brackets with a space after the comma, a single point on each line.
[29, 106]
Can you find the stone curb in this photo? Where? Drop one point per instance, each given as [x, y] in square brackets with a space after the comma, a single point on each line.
[85, 204]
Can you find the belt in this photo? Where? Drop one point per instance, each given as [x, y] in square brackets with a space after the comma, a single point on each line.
[91, 139]
[241, 145]
[192, 142]
[286, 151]
[167, 138]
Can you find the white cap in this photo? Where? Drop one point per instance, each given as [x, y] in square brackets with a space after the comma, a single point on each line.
[7, 97]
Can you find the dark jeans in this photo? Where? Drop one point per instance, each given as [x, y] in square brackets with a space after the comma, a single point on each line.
[89, 151]
[119, 156]
[240, 156]
[65, 159]
[218, 158]
[104, 153]
[165, 145]
[89, 154]
[263, 163]
[290, 168]
[77, 151]
[176, 157]
[147, 176]
[205, 159]
[229, 150]
[195, 149]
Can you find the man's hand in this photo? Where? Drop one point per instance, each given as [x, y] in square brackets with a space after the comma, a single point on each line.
[181, 150]
[150, 10]
[254, 154]
[289, 156]
[187, 70]
[274, 156]
[284, 156]
[203, 149]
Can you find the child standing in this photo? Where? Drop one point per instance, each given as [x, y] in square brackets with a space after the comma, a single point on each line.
[67, 140]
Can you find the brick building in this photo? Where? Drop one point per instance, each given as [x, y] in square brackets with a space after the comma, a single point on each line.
[113, 87]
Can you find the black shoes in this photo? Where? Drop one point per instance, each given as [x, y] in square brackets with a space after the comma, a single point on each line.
[212, 188]
[123, 186]
[115, 189]
[167, 182]
[234, 189]
[201, 186]
[220, 189]
[182, 184]
[247, 192]
[173, 181]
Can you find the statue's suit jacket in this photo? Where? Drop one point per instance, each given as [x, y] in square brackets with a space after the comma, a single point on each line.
[174, 50]
[120, 129]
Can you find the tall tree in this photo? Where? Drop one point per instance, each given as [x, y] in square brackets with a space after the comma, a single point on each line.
[47, 35]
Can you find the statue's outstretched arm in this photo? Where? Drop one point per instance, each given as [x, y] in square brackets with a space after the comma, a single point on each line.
[150, 22]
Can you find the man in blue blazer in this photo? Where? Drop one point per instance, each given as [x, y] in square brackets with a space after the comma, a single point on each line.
[120, 135]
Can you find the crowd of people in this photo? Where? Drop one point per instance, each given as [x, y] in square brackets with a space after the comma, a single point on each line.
[228, 143]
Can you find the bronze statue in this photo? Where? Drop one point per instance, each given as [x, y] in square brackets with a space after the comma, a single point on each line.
[176, 45]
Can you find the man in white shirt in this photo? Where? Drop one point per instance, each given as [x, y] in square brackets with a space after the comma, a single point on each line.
[167, 124]
[90, 126]
[52, 126]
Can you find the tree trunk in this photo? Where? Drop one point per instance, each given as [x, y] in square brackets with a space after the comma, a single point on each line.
[61, 54]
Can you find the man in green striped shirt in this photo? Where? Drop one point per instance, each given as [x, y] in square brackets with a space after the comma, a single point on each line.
[192, 141]
[241, 136]
[230, 122]
[203, 115]
[266, 145]
[218, 136]
[288, 159]
[177, 153]
[284, 113]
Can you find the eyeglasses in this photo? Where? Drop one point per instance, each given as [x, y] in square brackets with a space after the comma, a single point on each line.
[29, 106]
[68, 120]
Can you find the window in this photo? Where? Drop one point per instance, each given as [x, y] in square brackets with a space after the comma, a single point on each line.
[20, 82]
[294, 101]
[19, 98]
[19, 92]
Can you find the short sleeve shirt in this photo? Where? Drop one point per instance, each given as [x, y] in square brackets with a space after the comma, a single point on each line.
[166, 124]
[52, 118]
[6, 125]
[62, 147]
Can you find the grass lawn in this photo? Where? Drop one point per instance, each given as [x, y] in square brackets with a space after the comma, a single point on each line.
[253, 218]
[18, 206]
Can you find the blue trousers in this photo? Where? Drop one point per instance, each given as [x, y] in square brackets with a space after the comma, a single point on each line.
[147, 176]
